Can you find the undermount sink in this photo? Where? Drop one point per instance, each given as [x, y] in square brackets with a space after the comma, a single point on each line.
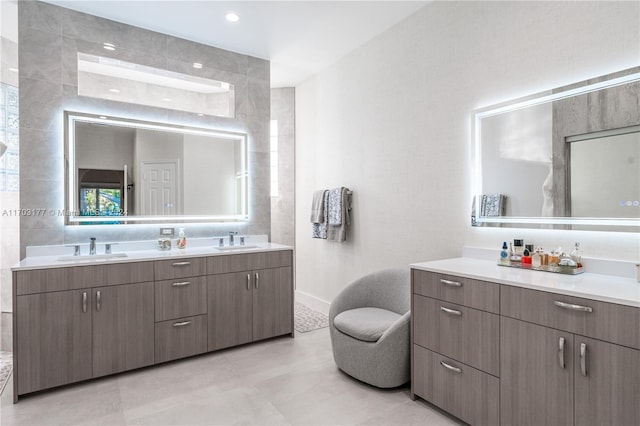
[229, 248]
[91, 257]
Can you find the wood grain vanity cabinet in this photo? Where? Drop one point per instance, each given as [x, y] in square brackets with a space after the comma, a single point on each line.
[71, 335]
[180, 308]
[252, 304]
[455, 334]
[557, 360]
[562, 363]
[80, 322]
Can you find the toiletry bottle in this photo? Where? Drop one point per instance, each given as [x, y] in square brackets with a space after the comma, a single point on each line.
[182, 240]
[526, 258]
[536, 258]
[504, 254]
[576, 255]
[517, 251]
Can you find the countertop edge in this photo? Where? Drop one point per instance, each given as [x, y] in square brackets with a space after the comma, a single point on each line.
[51, 262]
[442, 269]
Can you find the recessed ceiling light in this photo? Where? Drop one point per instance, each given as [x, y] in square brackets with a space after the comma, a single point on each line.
[200, 115]
[13, 69]
[114, 90]
[102, 117]
[232, 17]
[197, 65]
[109, 46]
[166, 99]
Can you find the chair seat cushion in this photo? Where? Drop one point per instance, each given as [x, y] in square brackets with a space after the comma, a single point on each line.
[366, 324]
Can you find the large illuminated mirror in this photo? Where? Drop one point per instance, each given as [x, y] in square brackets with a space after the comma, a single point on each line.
[568, 158]
[124, 171]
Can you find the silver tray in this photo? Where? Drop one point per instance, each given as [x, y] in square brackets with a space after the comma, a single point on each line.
[567, 270]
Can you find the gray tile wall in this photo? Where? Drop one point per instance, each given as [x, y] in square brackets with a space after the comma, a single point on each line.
[282, 206]
[49, 39]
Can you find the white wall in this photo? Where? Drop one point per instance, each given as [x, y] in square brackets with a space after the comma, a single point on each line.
[212, 192]
[104, 147]
[391, 121]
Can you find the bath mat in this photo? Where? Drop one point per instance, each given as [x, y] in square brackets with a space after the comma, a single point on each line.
[6, 364]
[306, 319]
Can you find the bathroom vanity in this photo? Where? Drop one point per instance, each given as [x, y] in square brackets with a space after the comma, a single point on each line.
[86, 318]
[494, 345]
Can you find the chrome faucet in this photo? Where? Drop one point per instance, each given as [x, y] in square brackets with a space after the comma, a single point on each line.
[92, 246]
[231, 234]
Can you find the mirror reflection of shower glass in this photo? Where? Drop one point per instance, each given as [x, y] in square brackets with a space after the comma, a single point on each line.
[615, 154]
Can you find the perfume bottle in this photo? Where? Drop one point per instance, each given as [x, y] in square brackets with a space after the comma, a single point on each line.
[504, 253]
[576, 255]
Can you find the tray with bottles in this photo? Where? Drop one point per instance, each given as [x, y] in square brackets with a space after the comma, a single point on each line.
[568, 270]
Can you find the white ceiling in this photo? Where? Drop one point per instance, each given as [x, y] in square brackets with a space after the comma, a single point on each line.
[300, 38]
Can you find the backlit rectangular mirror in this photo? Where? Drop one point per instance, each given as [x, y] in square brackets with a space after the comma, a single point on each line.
[568, 158]
[128, 171]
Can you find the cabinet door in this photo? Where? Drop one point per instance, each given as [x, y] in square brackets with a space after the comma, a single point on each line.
[54, 339]
[123, 328]
[229, 309]
[272, 302]
[536, 383]
[607, 383]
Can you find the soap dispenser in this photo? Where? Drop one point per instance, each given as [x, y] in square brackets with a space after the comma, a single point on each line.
[182, 240]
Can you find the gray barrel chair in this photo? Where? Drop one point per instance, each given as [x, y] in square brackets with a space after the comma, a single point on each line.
[369, 328]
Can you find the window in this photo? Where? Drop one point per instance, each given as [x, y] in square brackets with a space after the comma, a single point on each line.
[274, 158]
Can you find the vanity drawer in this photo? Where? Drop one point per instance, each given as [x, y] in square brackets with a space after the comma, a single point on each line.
[180, 338]
[180, 268]
[465, 334]
[463, 291]
[180, 298]
[249, 261]
[77, 277]
[601, 320]
[463, 391]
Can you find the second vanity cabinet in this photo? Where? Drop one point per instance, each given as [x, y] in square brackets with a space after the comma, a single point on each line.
[75, 323]
[577, 358]
[534, 358]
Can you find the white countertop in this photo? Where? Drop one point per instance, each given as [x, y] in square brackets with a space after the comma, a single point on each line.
[43, 262]
[606, 288]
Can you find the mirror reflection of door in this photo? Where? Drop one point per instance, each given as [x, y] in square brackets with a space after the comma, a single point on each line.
[158, 192]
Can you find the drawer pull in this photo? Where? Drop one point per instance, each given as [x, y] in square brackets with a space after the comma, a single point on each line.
[583, 358]
[257, 283]
[98, 300]
[450, 311]
[451, 367]
[248, 282]
[451, 283]
[84, 301]
[573, 307]
[561, 352]
[182, 284]
[181, 324]
[181, 264]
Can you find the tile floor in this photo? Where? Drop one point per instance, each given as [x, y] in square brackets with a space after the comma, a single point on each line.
[278, 382]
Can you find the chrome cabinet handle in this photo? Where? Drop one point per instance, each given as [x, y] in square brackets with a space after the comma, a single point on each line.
[98, 300]
[561, 352]
[450, 367]
[84, 301]
[257, 284]
[583, 358]
[573, 307]
[451, 283]
[181, 324]
[450, 311]
[181, 264]
[181, 284]
[248, 282]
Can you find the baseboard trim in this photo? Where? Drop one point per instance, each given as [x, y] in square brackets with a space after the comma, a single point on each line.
[313, 302]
